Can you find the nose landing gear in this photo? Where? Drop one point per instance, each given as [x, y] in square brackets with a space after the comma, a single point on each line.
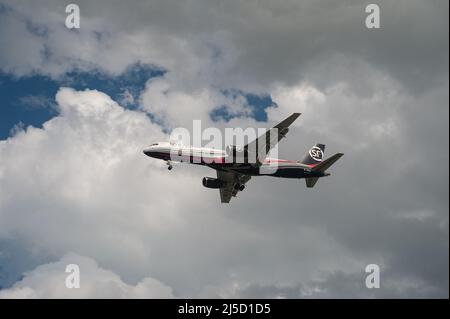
[169, 165]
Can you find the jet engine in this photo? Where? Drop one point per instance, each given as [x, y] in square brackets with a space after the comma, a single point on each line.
[211, 182]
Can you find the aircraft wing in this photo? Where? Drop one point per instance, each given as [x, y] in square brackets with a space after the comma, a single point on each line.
[230, 179]
[263, 144]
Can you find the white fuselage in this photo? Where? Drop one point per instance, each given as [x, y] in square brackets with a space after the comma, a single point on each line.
[221, 160]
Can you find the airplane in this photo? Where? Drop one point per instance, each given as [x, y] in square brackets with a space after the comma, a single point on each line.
[232, 175]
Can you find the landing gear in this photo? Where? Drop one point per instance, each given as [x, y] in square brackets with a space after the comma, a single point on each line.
[239, 187]
[169, 165]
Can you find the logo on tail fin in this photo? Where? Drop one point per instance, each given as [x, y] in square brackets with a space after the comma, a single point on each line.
[316, 153]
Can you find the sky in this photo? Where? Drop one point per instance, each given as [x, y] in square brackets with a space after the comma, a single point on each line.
[79, 105]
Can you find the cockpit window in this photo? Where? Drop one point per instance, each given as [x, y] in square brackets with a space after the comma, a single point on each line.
[154, 144]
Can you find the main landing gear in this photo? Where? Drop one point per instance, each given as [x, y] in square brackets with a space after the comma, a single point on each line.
[169, 165]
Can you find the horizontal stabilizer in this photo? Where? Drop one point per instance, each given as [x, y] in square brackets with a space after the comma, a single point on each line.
[324, 165]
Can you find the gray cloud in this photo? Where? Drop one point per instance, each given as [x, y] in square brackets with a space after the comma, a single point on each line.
[254, 43]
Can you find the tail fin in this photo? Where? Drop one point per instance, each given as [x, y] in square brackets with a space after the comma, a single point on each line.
[314, 155]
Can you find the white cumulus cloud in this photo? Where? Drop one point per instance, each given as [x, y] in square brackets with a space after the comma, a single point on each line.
[49, 281]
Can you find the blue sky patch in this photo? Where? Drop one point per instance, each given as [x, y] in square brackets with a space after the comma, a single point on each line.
[128, 84]
[31, 100]
[15, 94]
[257, 103]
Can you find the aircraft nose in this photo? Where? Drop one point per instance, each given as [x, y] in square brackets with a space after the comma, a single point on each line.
[147, 151]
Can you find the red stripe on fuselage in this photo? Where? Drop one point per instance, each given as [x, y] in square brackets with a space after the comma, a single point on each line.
[276, 160]
[216, 160]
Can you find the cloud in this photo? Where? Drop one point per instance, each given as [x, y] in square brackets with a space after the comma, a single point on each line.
[332, 285]
[73, 162]
[126, 98]
[176, 107]
[48, 281]
[249, 45]
[36, 101]
[91, 153]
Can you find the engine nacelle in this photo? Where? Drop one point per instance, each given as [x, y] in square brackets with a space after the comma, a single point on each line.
[211, 182]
